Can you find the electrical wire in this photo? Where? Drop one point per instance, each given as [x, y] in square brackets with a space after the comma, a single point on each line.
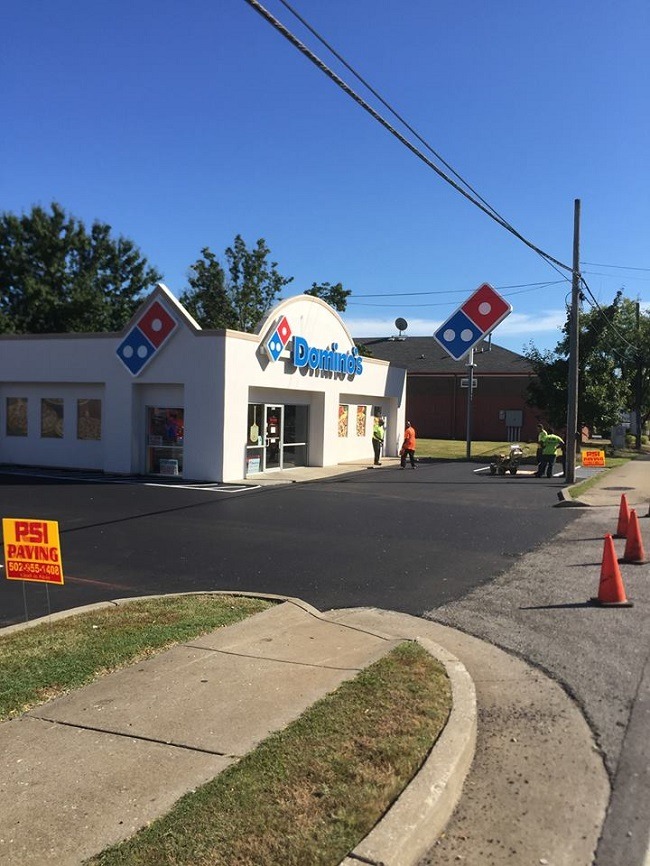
[608, 323]
[620, 267]
[254, 4]
[390, 108]
[464, 291]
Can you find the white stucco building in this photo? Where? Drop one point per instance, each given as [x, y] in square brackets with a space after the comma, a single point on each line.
[166, 397]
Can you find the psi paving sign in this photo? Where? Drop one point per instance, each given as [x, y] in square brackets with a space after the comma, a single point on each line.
[32, 550]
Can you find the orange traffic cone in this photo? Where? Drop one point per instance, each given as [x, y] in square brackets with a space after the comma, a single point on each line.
[634, 552]
[623, 518]
[611, 592]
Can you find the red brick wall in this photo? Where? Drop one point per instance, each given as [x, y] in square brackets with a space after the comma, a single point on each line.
[437, 406]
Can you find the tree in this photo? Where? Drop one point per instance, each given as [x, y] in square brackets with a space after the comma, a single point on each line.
[254, 284]
[208, 299]
[57, 277]
[334, 295]
[613, 363]
[239, 297]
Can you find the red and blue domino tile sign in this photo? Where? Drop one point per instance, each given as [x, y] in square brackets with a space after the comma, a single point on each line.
[278, 340]
[148, 334]
[472, 321]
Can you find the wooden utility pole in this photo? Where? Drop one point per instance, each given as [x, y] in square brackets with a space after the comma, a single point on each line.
[573, 434]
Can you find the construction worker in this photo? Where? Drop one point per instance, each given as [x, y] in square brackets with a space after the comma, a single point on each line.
[378, 439]
[408, 447]
[550, 444]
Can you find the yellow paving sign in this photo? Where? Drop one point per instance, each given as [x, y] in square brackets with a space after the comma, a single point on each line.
[593, 458]
[32, 550]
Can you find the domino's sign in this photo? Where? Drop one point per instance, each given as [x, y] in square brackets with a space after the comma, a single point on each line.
[302, 354]
[146, 337]
[472, 321]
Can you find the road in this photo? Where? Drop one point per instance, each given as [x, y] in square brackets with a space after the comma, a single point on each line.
[402, 540]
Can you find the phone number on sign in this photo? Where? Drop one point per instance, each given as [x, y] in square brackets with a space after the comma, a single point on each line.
[15, 569]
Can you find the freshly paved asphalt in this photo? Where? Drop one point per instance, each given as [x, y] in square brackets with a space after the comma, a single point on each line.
[401, 540]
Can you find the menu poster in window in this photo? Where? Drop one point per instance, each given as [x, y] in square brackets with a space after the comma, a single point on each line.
[343, 420]
[361, 420]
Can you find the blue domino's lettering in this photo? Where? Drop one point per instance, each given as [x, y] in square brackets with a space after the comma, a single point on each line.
[327, 360]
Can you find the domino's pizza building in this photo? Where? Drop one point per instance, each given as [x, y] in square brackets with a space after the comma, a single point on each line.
[166, 397]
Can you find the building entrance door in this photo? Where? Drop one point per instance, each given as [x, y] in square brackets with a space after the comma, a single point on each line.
[273, 437]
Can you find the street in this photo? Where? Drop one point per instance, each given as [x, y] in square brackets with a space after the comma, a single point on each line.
[406, 541]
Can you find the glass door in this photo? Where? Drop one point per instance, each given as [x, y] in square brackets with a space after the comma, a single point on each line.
[273, 437]
[296, 431]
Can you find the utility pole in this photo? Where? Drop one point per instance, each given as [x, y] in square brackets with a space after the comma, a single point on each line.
[639, 379]
[470, 396]
[573, 435]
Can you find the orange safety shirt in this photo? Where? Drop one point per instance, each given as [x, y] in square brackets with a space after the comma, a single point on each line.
[409, 439]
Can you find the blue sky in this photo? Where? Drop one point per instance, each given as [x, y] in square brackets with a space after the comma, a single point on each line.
[182, 124]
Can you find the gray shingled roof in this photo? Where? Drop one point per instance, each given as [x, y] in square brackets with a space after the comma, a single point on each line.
[425, 355]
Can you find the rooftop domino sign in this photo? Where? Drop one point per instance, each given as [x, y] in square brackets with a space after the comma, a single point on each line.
[472, 321]
[153, 328]
[302, 354]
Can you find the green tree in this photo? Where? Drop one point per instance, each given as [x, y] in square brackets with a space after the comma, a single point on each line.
[239, 296]
[613, 364]
[207, 298]
[254, 283]
[57, 277]
[334, 295]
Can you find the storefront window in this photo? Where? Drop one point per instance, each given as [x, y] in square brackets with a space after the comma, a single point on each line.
[16, 416]
[89, 419]
[52, 418]
[165, 437]
[343, 420]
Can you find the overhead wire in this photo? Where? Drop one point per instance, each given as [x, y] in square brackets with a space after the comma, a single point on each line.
[360, 303]
[473, 196]
[619, 267]
[476, 201]
[608, 323]
[528, 286]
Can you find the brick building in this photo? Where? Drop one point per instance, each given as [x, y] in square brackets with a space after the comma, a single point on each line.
[437, 387]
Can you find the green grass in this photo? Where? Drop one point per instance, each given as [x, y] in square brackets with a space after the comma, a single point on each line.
[309, 794]
[456, 449]
[306, 795]
[38, 663]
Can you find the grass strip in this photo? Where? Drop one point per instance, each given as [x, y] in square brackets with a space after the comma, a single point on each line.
[47, 660]
[310, 793]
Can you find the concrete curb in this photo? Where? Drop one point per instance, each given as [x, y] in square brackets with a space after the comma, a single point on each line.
[419, 815]
[567, 501]
[115, 602]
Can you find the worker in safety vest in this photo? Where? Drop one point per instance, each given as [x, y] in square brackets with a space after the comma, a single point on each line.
[550, 446]
[378, 438]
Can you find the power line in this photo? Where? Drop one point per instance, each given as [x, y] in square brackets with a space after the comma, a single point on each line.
[390, 108]
[526, 286]
[620, 267]
[254, 4]
[608, 323]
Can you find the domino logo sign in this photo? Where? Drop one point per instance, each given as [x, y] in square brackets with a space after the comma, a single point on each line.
[146, 337]
[472, 321]
[277, 341]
